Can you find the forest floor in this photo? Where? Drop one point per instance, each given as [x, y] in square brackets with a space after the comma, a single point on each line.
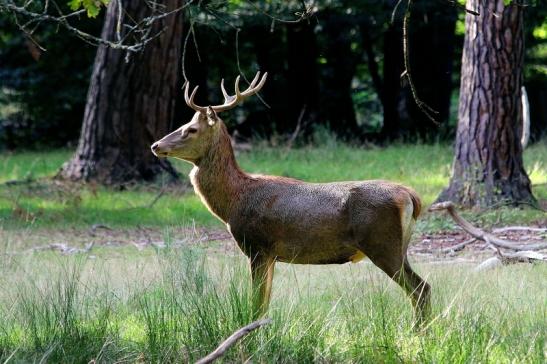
[147, 274]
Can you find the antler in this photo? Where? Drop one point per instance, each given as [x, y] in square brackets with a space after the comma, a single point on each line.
[229, 101]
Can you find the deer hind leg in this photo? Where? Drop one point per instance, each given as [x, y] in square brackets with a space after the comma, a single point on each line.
[419, 291]
[262, 271]
[398, 269]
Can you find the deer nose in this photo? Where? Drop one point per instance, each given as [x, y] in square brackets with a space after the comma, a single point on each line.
[155, 146]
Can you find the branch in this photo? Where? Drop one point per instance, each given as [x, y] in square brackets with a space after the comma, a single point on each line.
[482, 235]
[229, 342]
[425, 108]
[143, 26]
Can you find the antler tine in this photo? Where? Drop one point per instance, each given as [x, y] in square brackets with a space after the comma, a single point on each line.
[238, 93]
[190, 99]
[253, 82]
[253, 89]
[231, 101]
[227, 98]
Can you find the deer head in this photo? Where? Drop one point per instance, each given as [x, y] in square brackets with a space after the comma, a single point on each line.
[191, 141]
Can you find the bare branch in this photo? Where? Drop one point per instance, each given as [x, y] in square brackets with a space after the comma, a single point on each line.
[482, 235]
[426, 109]
[143, 27]
[229, 342]
[306, 12]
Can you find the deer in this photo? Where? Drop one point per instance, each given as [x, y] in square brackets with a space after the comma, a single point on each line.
[280, 219]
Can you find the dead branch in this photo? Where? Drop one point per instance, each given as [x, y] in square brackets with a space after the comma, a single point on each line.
[229, 342]
[458, 247]
[482, 235]
[520, 228]
[298, 128]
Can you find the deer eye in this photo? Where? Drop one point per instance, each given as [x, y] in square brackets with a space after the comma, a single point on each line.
[192, 130]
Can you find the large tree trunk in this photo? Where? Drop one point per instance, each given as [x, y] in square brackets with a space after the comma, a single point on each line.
[129, 104]
[488, 167]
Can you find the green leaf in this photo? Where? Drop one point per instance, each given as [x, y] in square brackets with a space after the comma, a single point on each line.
[75, 4]
[92, 7]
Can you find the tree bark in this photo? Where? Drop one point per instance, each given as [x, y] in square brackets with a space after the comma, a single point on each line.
[129, 103]
[488, 167]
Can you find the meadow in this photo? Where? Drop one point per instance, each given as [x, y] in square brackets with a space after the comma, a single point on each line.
[177, 301]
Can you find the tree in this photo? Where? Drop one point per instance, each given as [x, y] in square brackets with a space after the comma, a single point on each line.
[488, 167]
[130, 102]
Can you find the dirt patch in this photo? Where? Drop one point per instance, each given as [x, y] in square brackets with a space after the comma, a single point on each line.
[445, 244]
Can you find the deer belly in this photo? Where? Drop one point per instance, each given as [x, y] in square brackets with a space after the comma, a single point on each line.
[298, 254]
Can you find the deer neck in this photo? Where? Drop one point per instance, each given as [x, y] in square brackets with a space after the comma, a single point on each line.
[217, 178]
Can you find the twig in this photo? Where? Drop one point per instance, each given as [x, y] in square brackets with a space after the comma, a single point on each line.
[306, 13]
[143, 26]
[229, 342]
[158, 196]
[296, 131]
[458, 247]
[482, 235]
[462, 7]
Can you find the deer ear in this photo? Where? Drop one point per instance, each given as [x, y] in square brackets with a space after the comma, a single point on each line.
[212, 117]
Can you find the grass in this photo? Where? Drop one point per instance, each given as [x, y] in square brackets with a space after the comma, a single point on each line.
[176, 305]
[118, 304]
[424, 167]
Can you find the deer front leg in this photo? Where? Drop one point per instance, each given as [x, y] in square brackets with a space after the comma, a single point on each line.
[262, 270]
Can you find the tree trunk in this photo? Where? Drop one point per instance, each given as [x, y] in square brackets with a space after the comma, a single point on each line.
[129, 104]
[488, 167]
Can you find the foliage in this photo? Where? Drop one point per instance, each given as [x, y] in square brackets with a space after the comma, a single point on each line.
[43, 90]
[93, 7]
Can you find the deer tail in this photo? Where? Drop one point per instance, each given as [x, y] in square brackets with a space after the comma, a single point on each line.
[416, 202]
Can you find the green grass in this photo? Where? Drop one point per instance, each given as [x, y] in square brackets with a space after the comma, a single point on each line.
[424, 167]
[117, 304]
[176, 305]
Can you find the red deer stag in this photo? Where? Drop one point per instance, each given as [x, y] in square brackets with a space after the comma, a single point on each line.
[287, 220]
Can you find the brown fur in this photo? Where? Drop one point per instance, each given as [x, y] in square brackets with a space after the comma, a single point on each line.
[287, 220]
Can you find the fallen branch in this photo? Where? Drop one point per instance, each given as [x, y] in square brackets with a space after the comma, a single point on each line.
[482, 235]
[520, 228]
[229, 342]
[458, 247]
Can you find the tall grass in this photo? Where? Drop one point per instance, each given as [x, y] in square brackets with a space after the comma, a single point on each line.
[176, 305]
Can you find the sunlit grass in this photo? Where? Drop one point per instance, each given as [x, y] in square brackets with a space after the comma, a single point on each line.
[426, 168]
[176, 305]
